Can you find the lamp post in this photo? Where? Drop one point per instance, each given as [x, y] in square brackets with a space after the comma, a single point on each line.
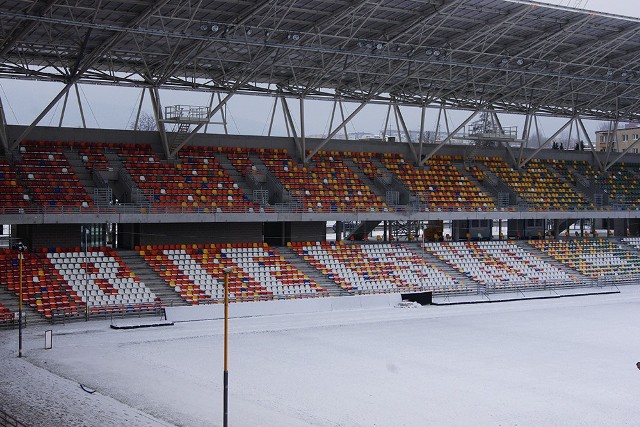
[20, 248]
[225, 398]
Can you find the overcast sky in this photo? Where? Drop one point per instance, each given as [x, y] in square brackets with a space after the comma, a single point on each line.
[114, 107]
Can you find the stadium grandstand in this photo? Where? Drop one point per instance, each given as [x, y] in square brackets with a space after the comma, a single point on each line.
[133, 221]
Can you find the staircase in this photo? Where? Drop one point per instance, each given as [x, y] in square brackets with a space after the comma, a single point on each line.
[416, 248]
[180, 135]
[29, 315]
[497, 188]
[292, 258]
[550, 260]
[587, 193]
[153, 280]
[364, 178]
[84, 175]
[235, 175]
[493, 192]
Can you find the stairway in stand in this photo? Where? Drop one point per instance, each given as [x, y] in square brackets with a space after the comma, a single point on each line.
[153, 280]
[315, 275]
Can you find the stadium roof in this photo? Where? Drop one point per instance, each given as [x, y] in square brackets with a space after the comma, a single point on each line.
[511, 55]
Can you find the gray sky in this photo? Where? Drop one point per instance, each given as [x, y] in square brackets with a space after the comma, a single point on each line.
[114, 107]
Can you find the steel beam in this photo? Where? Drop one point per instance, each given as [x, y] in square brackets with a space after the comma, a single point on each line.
[84, 122]
[3, 130]
[154, 94]
[522, 164]
[334, 132]
[406, 132]
[593, 147]
[526, 131]
[506, 144]
[621, 155]
[223, 115]
[43, 113]
[346, 134]
[135, 125]
[613, 137]
[273, 115]
[64, 108]
[423, 110]
[291, 124]
[193, 133]
[303, 142]
[450, 135]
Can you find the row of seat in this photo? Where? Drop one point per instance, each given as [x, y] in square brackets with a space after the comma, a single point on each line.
[499, 265]
[100, 277]
[196, 272]
[49, 178]
[374, 268]
[67, 281]
[536, 185]
[597, 258]
[326, 184]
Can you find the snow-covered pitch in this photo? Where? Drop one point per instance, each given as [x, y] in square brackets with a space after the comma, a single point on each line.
[568, 362]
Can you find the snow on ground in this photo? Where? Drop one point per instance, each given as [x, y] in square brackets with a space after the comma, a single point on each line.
[563, 362]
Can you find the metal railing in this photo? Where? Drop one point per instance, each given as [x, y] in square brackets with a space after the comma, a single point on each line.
[146, 208]
[186, 113]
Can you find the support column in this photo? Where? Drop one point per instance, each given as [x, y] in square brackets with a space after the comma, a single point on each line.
[334, 132]
[346, 134]
[339, 230]
[3, 130]
[449, 136]
[64, 109]
[157, 113]
[406, 132]
[303, 142]
[273, 115]
[135, 125]
[84, 122]
[44, 112]
[289, 119]
[594, 150]
[423, 110]
[522, 164]
[193, 133]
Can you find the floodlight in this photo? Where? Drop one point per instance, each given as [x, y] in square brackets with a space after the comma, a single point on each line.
[379, 45]
[215, 27]
[520, 61]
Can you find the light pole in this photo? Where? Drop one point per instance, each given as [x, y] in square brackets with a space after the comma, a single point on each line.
[20, 248]
[225, 398]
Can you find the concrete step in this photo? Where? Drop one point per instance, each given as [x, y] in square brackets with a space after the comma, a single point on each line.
[234, 174]
[30, 315]
[364, 178]
[151, 279]
[84, 175]
[441, 265]
[549, 259]
[315, 275]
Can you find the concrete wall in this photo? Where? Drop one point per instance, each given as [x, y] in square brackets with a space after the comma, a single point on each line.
[49, 235]
[158, 234]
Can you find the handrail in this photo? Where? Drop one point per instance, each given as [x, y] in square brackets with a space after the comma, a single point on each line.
[155, 209]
